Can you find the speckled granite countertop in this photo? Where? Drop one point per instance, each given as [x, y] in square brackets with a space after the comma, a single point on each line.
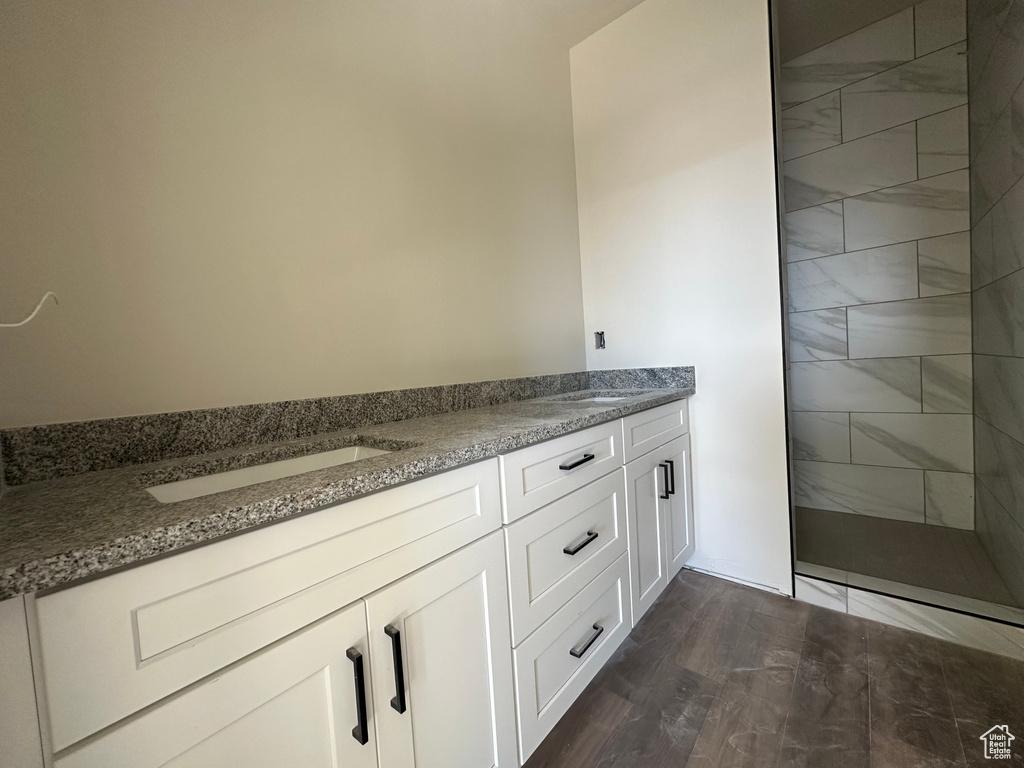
[57, 532]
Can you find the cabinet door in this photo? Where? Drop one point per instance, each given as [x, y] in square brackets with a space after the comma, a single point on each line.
[648, 571]
[679, 514]
[294, 704]
[448, 701]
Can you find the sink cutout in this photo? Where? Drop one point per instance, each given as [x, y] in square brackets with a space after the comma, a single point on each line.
[605, 396]
[205, 485]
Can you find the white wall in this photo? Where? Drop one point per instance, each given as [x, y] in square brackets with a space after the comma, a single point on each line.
[678, 233]
[244, 202]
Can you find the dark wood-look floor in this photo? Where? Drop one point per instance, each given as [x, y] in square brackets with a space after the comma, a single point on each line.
[718, 675]
[929, 556]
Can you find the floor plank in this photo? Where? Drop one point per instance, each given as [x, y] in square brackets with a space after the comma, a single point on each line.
[719, 675]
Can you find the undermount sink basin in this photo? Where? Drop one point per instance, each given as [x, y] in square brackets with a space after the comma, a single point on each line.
[204, 485]
[600, 397]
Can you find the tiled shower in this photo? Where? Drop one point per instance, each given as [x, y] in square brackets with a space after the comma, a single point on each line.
[893, 378]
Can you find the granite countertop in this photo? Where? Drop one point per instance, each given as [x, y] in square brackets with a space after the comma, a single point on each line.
[57, 532]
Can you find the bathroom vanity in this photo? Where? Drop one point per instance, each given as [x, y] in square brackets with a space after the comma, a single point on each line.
[448, 620]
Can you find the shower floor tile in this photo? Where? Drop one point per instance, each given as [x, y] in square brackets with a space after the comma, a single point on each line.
[927, 556]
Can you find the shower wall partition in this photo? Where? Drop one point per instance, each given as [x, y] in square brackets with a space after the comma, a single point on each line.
[997, 233]
[876, 139]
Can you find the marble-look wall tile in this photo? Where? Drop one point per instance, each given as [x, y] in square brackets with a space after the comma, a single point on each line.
[1002, 538]
[873, 275]
[938, 23]
[874, 386]
[949, 499]
[984, 33]
[919, 88]
[944, 264]
[815, 571]
[897, 494]
[982, 256]
[1017, 126]
[1001, 75]
[950, 626]
[997, 241]
[999, 465]
[913, 440]
[972, 12]
[823, 594]
[947, 384]
[992, 172]
[943, 142]
[821, 436]
[851, 58]
[927, 208]
[937, 599]
[999, 316]
[817, 335]
[815, 231]
[940, 325]
[811, 126]
[884, 159]
[998, 392]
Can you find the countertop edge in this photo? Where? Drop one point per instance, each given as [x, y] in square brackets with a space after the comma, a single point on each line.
[75, 566]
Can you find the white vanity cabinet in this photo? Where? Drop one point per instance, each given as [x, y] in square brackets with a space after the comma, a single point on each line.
[111, 646]
[329, 695]
[646, 430]
[679, 517]
[403, 629]
[590, 546]
[568, 574]
[303, 701]
[659, 501]
[21, 744]
[442, 666]
[646, 488]
[538, 474]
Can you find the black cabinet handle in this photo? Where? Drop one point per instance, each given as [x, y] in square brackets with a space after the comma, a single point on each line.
[398, 701]
[571, 550]
[359, 733]
[579, 650]
[667, 492]
[672, 475]
[586, 457]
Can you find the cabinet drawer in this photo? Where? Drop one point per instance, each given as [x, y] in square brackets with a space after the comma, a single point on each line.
[292, 704]
[542, 575]
[534, 476]
[645, 431]
[555, 664]
[114, 645]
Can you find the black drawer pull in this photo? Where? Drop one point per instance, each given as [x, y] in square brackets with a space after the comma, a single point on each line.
[672, 476]
[571, 550]
[586, 457]
[359, 733]
[397, 701]
[579, 650]
[667, 491]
